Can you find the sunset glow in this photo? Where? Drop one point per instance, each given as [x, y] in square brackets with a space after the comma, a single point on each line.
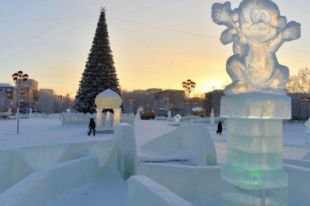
[156, 44]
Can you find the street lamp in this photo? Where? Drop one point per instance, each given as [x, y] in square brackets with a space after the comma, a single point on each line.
[18, 78]
[188, 87]
[60, 104]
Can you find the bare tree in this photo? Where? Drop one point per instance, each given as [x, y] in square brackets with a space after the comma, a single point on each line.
[299, 83]
[298, 88]
[47, 102]
[66, 103]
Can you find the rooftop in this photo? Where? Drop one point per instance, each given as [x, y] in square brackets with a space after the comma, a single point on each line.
[5, 85]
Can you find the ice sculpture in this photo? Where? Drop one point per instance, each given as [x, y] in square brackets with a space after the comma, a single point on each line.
[140, 110]
[257, 30]
[108, 119]
[307, 124]
[255, 103]
[108, 99]
[177, 118]
[212, 117]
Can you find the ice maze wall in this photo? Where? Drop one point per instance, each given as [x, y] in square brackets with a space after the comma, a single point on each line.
[188, 143]
[143, 191]
[49, 170]
[45, 185]
[299, 186]
[192, 183]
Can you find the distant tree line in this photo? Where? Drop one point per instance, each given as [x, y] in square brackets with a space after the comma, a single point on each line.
[51, 103]
[298, 88]
[299, 83]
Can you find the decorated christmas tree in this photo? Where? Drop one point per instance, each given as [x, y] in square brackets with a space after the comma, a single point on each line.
[99, 73]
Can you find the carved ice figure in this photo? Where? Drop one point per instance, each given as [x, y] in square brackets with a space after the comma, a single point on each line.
[108, 120]
[257, 31]
[169, 116]
[256, 103]
[177, 118]
[212, 117]
[139, 112]
[307, 124]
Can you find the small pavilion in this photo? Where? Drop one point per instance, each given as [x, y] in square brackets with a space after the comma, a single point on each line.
[108, 110]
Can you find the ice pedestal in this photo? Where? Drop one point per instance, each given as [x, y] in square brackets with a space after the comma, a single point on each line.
[253, 174]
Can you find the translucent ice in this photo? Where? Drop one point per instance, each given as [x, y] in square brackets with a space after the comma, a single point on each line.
[257, 31]
[254, 179]
[254, 161]
[256, 106]
[240, 197]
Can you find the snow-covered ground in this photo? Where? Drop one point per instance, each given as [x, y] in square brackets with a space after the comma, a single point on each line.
[42, 131]
[112, 190]
[39, 131]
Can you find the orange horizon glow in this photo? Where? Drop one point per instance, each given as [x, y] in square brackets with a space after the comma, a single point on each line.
[153, 43]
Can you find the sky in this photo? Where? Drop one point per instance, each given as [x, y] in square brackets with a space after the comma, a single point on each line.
[155, 43]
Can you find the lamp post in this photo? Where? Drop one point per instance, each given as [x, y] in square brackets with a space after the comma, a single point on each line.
[18, 77]
[60, 108]
[188, 87]
[130, 102]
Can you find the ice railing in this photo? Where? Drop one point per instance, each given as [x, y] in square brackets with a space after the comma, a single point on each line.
[198, 119]
[83, 119]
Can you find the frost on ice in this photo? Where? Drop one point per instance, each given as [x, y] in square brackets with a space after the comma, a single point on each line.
[257, 31]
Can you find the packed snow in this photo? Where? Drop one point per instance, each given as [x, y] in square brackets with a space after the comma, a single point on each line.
[40, 131]
[43, 131]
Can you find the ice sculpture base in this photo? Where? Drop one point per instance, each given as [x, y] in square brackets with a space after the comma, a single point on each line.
[105, 130]
[256, 106]
[235, 196]
[253, 174]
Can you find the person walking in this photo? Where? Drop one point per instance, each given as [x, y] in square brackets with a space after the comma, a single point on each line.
[92, 126]
[219, 128]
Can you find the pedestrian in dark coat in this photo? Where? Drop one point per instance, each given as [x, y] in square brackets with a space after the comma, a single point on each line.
[92, 126]
[219, 128]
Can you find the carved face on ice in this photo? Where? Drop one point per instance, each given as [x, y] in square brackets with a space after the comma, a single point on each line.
[260, 20]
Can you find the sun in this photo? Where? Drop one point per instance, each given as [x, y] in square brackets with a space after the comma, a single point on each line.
[207, 85]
